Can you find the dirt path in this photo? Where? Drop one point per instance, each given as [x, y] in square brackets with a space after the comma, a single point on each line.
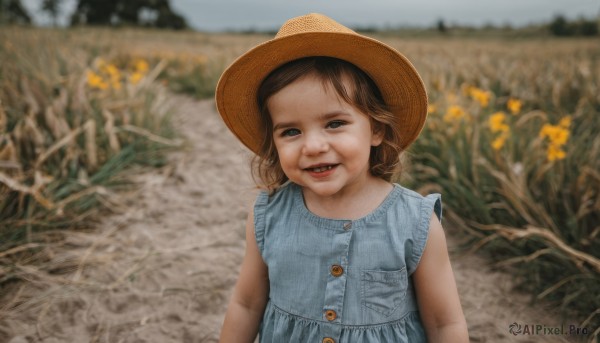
[164, 268]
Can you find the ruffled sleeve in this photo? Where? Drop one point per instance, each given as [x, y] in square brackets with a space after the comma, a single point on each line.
[429, 204]
[259, 219]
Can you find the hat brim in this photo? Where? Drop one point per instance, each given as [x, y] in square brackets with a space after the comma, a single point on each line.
[400, 84]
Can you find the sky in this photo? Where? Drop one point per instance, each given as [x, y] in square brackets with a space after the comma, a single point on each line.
[216, 15]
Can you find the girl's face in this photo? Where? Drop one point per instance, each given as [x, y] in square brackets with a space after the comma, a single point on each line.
[323, 142]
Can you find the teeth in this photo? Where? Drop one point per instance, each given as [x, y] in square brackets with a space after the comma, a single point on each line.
[320, 169]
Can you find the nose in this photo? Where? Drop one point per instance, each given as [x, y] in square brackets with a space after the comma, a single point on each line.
[315, 144]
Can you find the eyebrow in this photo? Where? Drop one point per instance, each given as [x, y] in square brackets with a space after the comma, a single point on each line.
[322, 117]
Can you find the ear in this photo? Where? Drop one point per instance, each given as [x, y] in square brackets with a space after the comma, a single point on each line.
[378, 133]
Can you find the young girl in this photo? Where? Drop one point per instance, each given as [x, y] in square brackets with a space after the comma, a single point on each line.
[335, 251]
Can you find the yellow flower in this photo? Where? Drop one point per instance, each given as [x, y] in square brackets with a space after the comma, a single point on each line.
[483, 97]
[555, 153]
[141, 66]
[496, 122]
[514, 105]
[498, 143]
[555, 134]
[111, 70]
[112, 73]
[561, 137]
[431, 109]
[565, 122]
[545, 130]
[95, 81]
[135, 78]
[454, 113]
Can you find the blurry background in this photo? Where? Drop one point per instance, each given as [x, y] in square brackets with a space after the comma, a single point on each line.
[267, 15]
[92, 93]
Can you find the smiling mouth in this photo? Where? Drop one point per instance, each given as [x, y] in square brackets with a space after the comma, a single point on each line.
[321, 168]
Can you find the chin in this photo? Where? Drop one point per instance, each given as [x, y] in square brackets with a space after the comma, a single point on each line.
[324, 190]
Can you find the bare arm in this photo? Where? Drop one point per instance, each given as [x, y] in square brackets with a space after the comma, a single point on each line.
[439, 304]
[250, 295]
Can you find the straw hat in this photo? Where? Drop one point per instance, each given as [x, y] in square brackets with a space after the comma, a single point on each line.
[317, 35]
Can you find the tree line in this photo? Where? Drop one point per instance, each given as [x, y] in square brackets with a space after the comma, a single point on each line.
[148, 13]
[559, 26]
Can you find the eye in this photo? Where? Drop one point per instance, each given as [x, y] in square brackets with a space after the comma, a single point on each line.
[335, 124]
[290, 132]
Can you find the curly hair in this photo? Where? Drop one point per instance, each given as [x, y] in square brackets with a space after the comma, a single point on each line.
[384, 159]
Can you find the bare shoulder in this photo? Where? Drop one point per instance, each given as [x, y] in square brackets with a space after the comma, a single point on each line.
[437, 237]
[435, 254]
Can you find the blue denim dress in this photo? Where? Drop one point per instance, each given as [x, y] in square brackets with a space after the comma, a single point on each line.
[335, 280]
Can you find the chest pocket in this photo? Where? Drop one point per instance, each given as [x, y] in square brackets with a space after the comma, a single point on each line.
[383, 291]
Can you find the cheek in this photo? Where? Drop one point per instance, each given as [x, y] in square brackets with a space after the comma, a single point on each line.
[355, 143]
[356, 151]
[285, 153]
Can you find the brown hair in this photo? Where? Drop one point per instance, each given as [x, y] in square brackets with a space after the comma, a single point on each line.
[384, 160]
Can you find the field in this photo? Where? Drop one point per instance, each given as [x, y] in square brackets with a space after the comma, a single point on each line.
[511, 143]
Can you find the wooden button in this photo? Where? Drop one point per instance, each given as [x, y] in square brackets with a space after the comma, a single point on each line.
[328, 340]
[337, 270]
[330, 315]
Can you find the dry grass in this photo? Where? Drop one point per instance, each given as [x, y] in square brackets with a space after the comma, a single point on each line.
[65, 140]
[522, 181]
